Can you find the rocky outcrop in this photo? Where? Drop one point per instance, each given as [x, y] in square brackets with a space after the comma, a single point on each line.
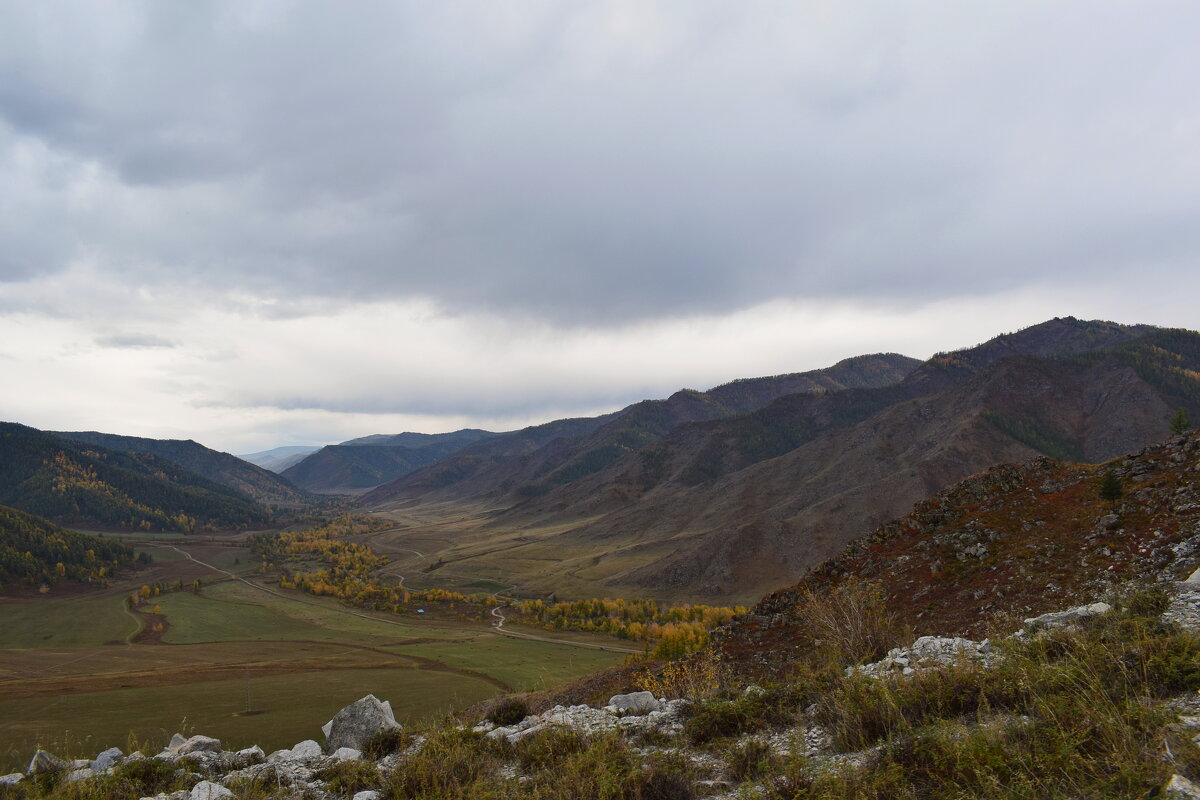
[925, 653]
[664, 717]
[358, 722]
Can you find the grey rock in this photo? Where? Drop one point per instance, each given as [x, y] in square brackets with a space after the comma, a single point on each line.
[347, 754]
[306, 751]
[176, 740]
[248, 756]
[81, 763]
[1057, 619]
[634, 703]
[1180, 788]
[517, 736]
[81, 774]
[12, 779]
[199, 744]
[358, 722]
[369, 794]
[207, 790]
[925, 653]
[107, 759]
[43, 762]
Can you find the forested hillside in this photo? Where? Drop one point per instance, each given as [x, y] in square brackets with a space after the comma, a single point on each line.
[253, 481]
[34, 551]
[86, 484]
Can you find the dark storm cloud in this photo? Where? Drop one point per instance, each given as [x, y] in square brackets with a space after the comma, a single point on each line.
[604, 161]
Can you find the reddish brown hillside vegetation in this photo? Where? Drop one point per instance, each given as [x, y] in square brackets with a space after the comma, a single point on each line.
[1015, 541]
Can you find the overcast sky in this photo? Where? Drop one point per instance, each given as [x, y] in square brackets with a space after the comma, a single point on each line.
[273, 223]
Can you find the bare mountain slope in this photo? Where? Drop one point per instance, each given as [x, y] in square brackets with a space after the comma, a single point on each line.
[1023, 538]
[730, 507]
[490, 472]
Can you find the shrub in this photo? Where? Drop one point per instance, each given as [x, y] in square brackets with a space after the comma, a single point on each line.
[385, 742]
[695, 677]
[716, 718]
[851, 622]
[545, 748]
[750, 760]
[452, 765]
[349, 777]
[508, 711]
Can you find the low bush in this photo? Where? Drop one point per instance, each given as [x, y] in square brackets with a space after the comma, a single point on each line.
[385, 742]
[508, 711]
[345, 778]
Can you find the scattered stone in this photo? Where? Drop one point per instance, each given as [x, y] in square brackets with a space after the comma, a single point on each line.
[107, 759]
[927, 652]
[358, 722]
[80, 774]
[347, 754]
[634, 704]
[1057, 619]
[369, 794]
[198, 744]
[249, 756]
[1180, 788]
[306, 751]
[207, 790]
[12, 779]
[176, 740]
[43, 762]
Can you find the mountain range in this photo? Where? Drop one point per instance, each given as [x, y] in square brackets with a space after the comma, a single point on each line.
[367, 462]
[697, 496]
[726, 493]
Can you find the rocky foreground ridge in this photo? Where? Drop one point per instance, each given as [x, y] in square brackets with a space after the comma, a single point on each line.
[651, 727]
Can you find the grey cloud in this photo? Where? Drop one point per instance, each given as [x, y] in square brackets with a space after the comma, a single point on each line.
[604, 161]
[134, 341]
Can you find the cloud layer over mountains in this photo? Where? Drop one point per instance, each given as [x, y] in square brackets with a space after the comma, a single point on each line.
[410, 214]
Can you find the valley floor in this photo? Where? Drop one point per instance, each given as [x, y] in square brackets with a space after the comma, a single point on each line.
[231, 658]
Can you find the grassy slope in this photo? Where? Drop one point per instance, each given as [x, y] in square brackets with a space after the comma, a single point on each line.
[72, 686]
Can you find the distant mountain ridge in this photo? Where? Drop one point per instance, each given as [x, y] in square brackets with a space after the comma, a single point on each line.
[494, 468]
[277, 459]
[733, 505]
[258, 484]
[366, 462]
[82, 483]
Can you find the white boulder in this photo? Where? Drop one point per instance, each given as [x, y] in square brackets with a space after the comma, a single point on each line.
[358, 722]
[1057, 619]
[634, 704]
[207, 790]
[306, 751]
